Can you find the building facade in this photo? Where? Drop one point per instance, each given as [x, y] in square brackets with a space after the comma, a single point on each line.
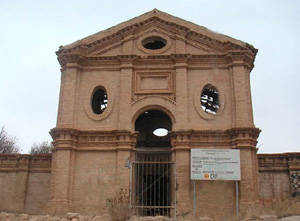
[119, 86]
[154, 71]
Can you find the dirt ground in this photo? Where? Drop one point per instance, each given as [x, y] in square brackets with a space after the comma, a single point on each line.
[105, 217]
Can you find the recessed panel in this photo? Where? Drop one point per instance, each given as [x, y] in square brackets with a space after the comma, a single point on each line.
[153, 83]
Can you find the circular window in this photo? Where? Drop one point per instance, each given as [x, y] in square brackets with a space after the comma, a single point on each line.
[210, 100]
[99, 101]
[154, 43]
[160, 132]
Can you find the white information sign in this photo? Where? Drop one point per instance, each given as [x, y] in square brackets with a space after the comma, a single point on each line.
[216, 164]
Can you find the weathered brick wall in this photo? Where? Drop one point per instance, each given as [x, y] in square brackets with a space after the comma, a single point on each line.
[215, 194]
[94, 181]
[24, 182]
[278, 175]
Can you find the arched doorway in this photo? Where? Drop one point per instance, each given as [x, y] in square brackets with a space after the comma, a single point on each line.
[153, 168]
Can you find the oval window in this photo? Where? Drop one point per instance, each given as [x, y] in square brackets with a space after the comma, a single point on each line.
[99, 101]
[160, 132]
[210, 100]
[154, 43]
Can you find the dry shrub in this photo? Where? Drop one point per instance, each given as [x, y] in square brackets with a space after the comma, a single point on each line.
[279, 207]
[119, 207]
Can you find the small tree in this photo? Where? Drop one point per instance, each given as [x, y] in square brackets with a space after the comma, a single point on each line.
[8, 143]
[43, 147]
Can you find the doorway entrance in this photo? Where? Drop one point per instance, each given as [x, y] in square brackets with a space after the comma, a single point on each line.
[153, 189]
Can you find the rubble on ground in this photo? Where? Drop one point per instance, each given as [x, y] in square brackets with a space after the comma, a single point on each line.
[105, 217]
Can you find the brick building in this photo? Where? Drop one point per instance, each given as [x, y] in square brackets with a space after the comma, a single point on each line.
[154, 71]
[119, 86]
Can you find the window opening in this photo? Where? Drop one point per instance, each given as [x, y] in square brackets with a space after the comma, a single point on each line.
[99, 101]
[160, 132]
[147, 123]
[154, 43]
[210, 100]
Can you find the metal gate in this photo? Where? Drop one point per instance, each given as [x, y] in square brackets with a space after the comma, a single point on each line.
[152, 185]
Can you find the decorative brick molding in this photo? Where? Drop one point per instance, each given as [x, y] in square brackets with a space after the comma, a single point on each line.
[91, 140]
[88, 106]
[161, 82]
[205, 61]
[285, 162]
[156, 34]
[38, 163]
[154, 21]
[232, 138]
[108, 140]
[244, 137]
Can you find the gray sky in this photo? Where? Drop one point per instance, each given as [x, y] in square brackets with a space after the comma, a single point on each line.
[31, 32]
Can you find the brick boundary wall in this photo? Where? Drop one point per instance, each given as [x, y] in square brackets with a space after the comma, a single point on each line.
[37, 163]
[279, 175]
[24, 182]
[25, 179]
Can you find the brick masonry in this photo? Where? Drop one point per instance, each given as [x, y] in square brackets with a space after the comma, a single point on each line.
[25, 182]
[90, 150]
[275, 170]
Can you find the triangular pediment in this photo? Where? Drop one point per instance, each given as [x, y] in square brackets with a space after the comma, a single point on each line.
[196, 39]
[154, 28]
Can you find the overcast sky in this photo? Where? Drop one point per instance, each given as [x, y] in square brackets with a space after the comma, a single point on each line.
[31, 32]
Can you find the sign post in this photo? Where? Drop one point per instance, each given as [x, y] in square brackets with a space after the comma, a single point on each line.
[215, 164]
[237, 198]
[194, 200]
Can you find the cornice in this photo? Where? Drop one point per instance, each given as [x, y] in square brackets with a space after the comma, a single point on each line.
[224, 60]
[128, 58]
[250, 130]
[244, 138]
[284, 162]
[180, 60]
[127, 61]
[275, 155]
[56, 132]
[231, 131]
[72, 139]
[77, 58]
[39, 163]
[234, 138]
[240, 58]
